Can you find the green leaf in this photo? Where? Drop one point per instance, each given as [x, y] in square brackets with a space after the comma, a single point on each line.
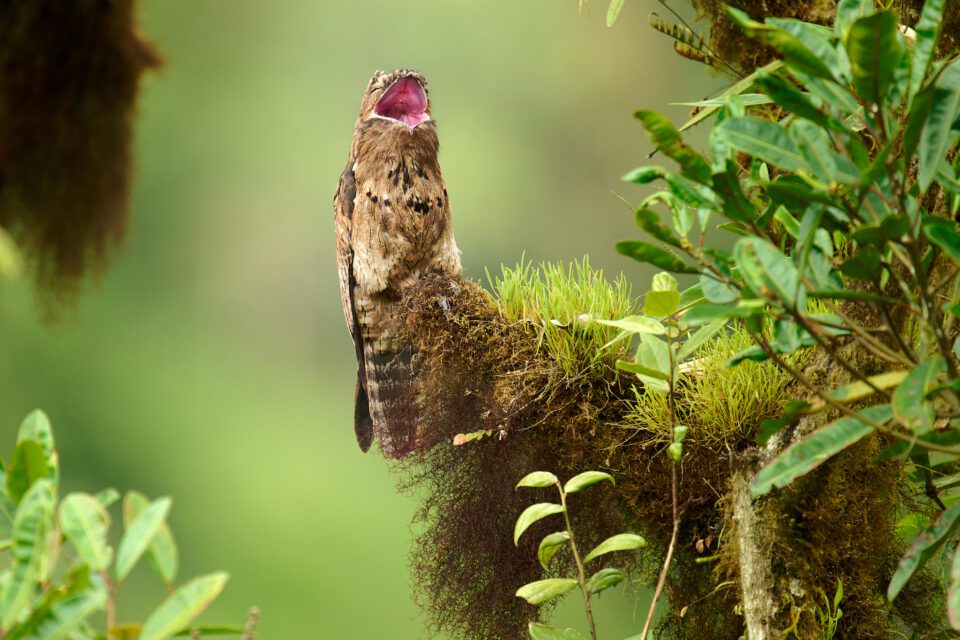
[532, 514]
[642, 370]
[910, 406]
[586, 479]
[212, 630]
[716, 291]
[636, 324]
[619, 542]
[550, 545]
[649, 221]
[848, 12]
[823, 161]
[8, 511]
[644, 252]
[786, 95]
[935, 137]
[544, 590]
[183, 605]
[540, 631]
[735, 206]
[737, 89]
[538, 479]
[920, 110]
[604, 579]
[704, 313]
[765, 268]
[746, 99]
[704, 333]
[67, 614]
[928, 35]
[139, 534]
[666, 138]
[36, 426]
[875, 50]
[817, 448]
[794, 52]
[85, 523]
[864, 265]
[953, 593]
[660, 304]
[818, 39]
[859, 390]
[613, 11]
[944, 234]
[652, 364]
[761, 139]
[31, 526]
[924, 546]
[645, 175]
[162, 555]
[28, 464]
[663, 282]
[107, 497]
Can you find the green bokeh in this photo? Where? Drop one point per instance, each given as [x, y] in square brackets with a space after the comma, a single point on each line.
[211, 363]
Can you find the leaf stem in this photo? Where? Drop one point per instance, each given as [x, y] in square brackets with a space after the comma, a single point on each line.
[581, 574]
[674, 481]
[111, 602]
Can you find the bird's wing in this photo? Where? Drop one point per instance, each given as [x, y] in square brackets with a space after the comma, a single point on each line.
[343, 204]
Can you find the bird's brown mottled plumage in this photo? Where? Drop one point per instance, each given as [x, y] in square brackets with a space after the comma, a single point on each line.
[393, 225]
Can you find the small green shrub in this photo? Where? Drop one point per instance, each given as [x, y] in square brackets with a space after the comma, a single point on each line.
[60, 573]
[541, 591]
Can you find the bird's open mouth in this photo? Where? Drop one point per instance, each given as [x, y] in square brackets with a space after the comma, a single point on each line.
[405, 101]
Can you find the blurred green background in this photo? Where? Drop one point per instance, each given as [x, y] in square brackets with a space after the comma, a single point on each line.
[212, 364]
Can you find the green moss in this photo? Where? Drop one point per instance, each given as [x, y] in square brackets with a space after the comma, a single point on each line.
[560, 303]
[722, 405]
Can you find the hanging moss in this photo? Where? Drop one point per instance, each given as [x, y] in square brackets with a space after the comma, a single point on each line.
[69, 76]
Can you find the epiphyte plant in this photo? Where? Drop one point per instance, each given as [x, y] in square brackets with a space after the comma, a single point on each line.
[542, 591]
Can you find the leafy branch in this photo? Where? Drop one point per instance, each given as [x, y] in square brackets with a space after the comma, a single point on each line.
[548, 589]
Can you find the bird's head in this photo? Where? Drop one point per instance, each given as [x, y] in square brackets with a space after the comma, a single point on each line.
[399, 97]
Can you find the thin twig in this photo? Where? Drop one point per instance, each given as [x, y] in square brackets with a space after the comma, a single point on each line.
[581, 574]
[671, 400]
[111, 602]
[666, 562]
[252, 619]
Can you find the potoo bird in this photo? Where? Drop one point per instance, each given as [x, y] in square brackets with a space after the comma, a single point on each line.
[393, 225]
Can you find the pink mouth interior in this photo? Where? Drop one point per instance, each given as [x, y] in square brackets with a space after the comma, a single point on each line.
[404, 101]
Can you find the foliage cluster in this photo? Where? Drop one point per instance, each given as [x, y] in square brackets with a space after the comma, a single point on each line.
[836, 169]
[726, 47]
[59, 570]
[69, 77]
[545, 590]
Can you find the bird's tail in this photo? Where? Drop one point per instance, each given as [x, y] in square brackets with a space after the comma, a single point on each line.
[362, 422]
[392, 407]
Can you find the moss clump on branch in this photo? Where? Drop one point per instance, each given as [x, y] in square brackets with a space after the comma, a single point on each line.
[731, 45]
[487, 365]
[69, 77]
[720, 404]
